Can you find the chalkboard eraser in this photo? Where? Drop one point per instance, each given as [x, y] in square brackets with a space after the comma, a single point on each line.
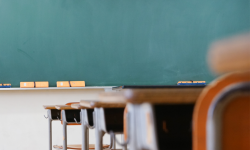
[62, 84]
[70, 83]
[27, 84]
[191, 83]
[5, 85]
[77, 83]
[41, 84]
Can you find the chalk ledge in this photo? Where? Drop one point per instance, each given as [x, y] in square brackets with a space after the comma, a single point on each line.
[60, 88]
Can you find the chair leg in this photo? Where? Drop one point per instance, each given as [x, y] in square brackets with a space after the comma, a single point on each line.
[113, 143]
[87, 139]
[122, 139]
[64, 136]
[50, 129]
[98, 131]
[85, 131]
[64, 130]
[99, 139]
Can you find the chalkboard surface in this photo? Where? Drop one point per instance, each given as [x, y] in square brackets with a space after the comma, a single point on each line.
[114, 42]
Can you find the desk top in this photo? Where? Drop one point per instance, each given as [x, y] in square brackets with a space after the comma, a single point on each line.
[160, 95]
[78, 106]
[156, 86]
[64, 107]
[49, 106]
[98, 104]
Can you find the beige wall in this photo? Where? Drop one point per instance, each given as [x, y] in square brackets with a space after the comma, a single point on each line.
[22, 122]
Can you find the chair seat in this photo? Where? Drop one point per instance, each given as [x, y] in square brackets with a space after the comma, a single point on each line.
[78, 146]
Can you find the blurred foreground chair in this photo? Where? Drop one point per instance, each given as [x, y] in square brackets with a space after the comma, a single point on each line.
[222, 112]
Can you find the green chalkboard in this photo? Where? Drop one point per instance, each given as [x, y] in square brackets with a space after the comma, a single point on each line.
[114, 42]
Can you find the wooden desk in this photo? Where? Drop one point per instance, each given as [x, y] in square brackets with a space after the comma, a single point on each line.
[99, 104]
[49, 106]
[108, 117]
[69, 116]
[154, 87]
[78, 106]
[64, 107]
[52, 115]
[173, 95]
[158, 118]
[87, 122]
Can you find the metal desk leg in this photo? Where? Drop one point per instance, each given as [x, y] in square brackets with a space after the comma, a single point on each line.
[87, 138]
[132, 111]
[98, 128]
[64, 130]
[50, 128]
[122, 140]
[114, 143]
[85, 130]
[139, 128]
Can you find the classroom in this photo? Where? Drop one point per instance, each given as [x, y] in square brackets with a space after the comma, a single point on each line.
[125, 74]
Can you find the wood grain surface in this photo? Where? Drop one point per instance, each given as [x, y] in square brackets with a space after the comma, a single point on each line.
[112, 97]
[108, 105]
[70, 103]
[86, 103]
[93, 104]
[64, 107]
[156, 96]
[78, 106]
[49, 106]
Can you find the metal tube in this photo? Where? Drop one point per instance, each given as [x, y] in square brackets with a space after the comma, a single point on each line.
[85, 143]
[64, 130]
[64, 136]
[122, 140]
[114, 142]
[50, 129]
[132, 112]
[87, 138]
[111, 141]
[98, 131]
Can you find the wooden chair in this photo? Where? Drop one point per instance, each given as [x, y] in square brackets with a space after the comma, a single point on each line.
[222, 112]
[108, 118]
[158, 118]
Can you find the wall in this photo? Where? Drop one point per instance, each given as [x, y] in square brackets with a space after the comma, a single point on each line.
[22, 123]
